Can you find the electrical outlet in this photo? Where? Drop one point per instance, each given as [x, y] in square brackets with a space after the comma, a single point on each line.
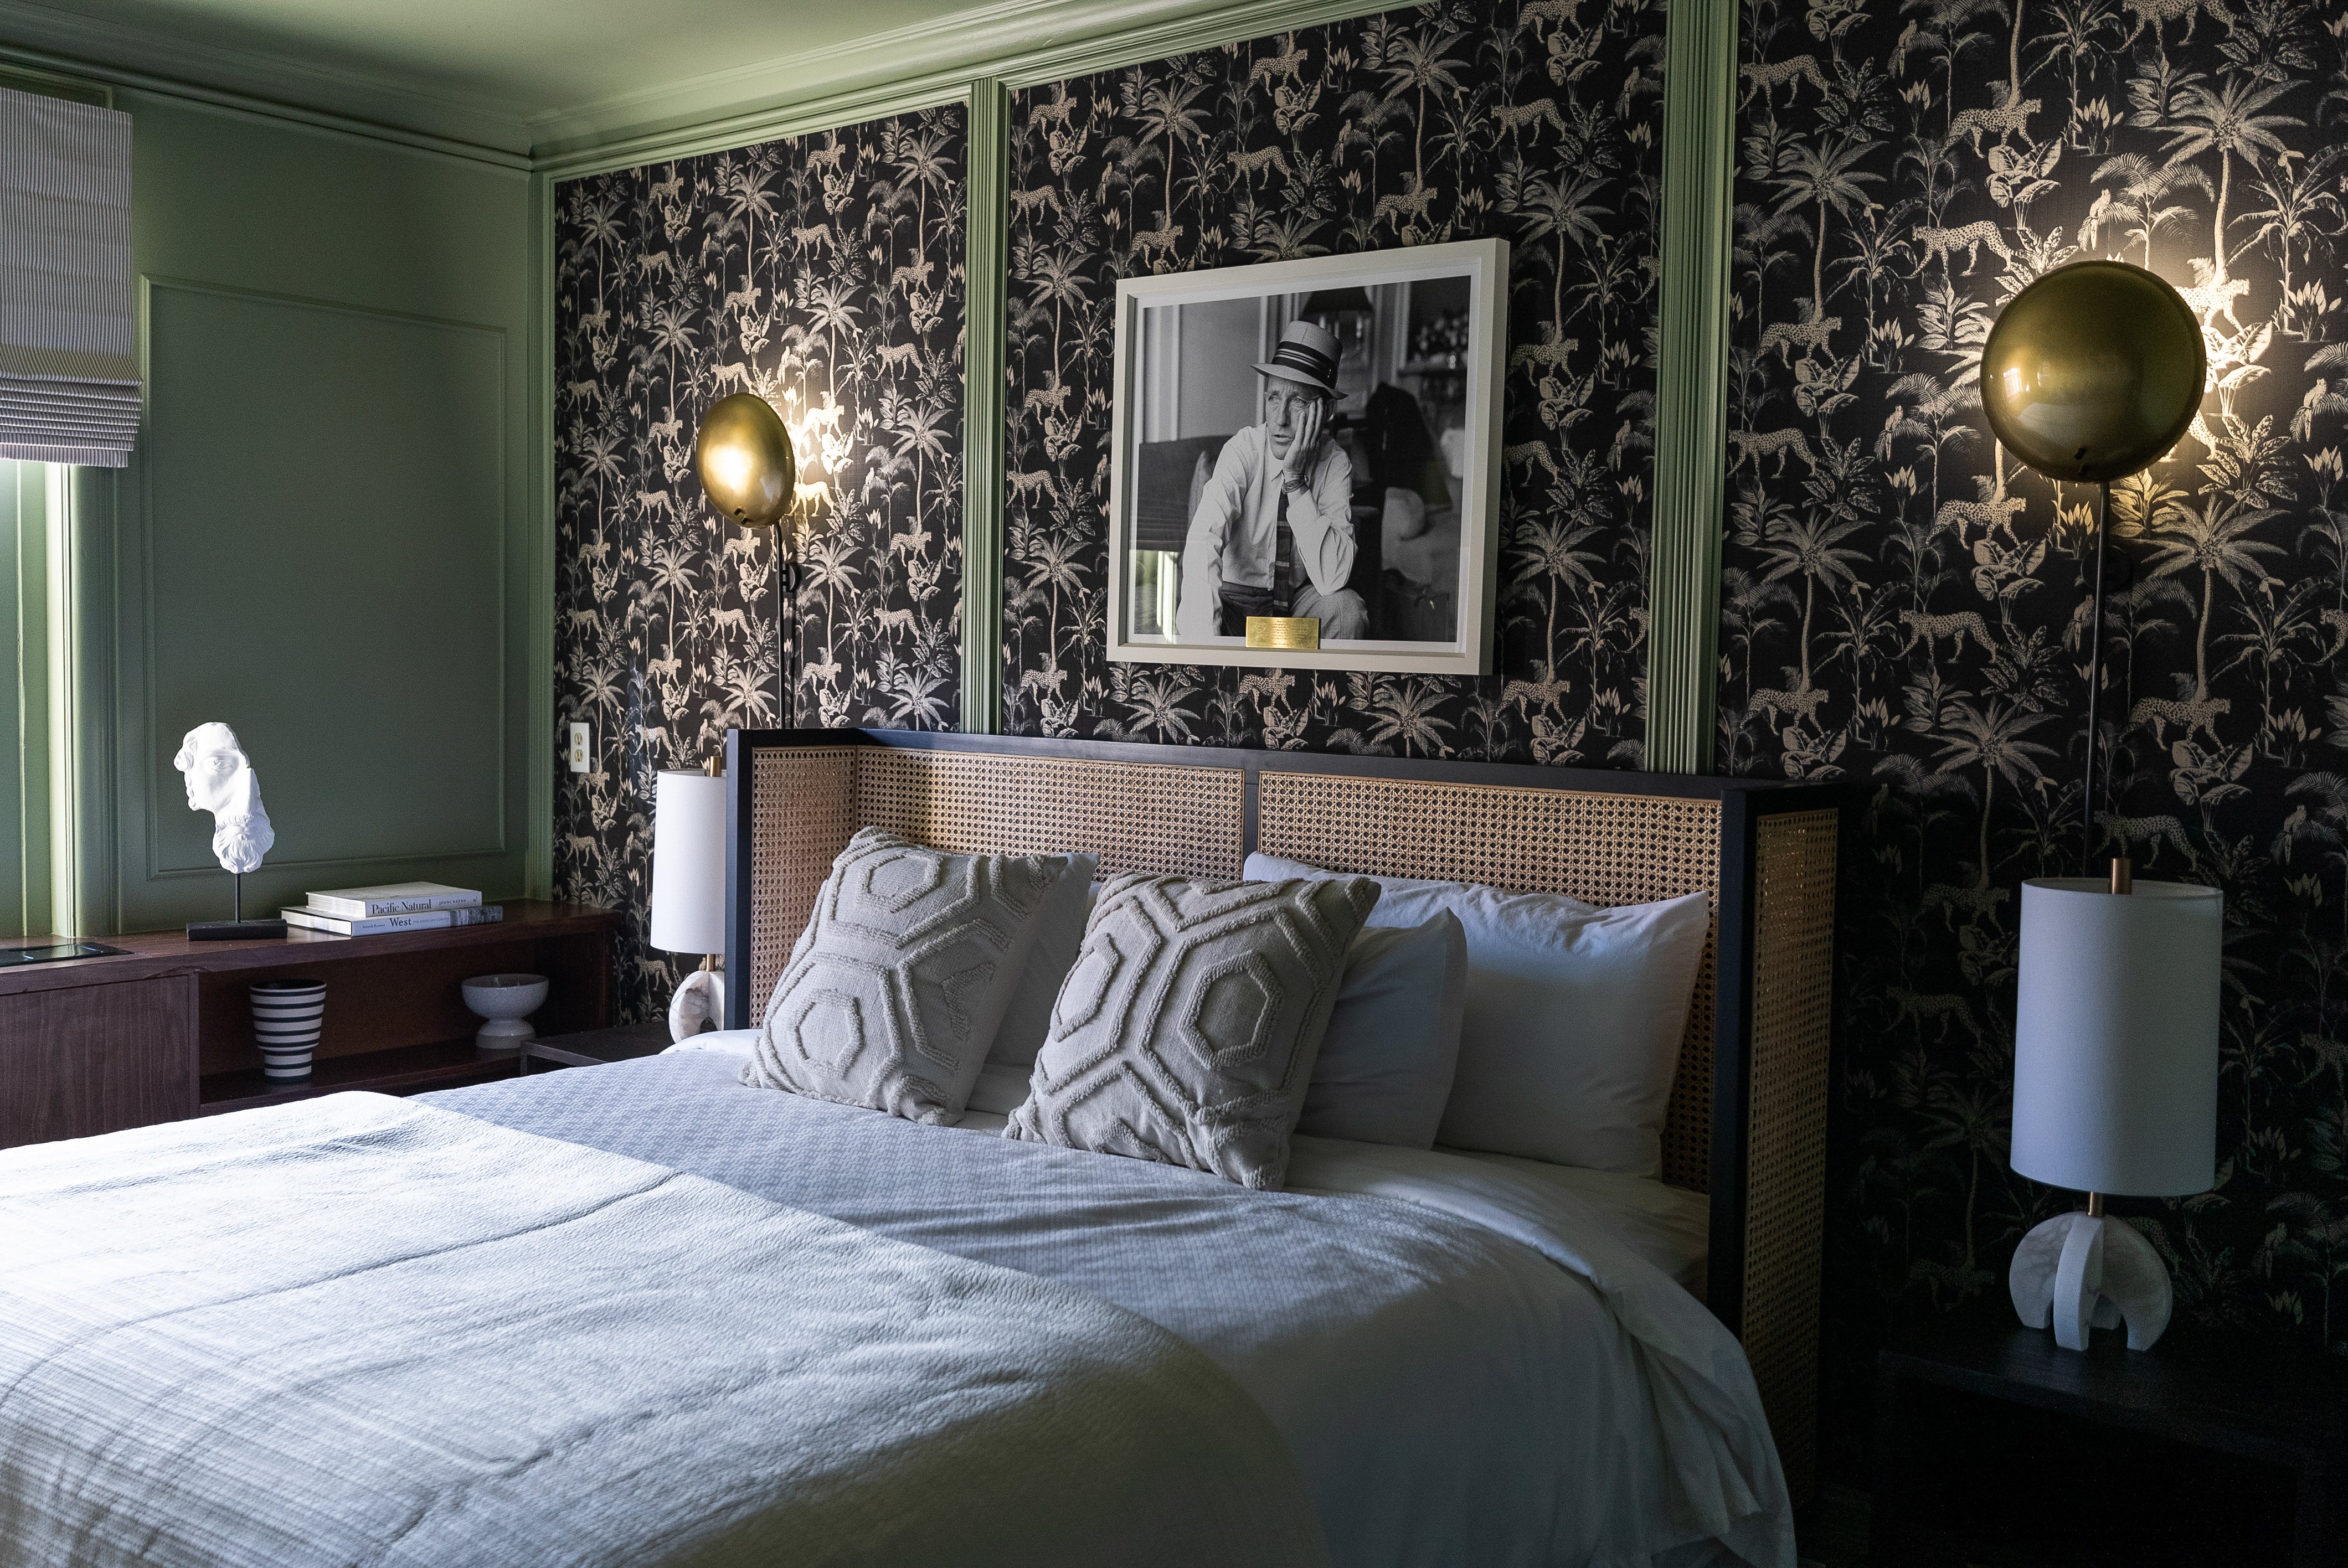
[582, 742]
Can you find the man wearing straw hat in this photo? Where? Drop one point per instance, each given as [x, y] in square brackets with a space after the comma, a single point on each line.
[1273, 534]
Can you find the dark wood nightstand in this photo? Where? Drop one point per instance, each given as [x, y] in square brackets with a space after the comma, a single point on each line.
[591, 1047]
[2209, 1451]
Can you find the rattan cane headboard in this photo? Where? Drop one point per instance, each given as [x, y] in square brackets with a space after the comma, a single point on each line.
[1748, 1115]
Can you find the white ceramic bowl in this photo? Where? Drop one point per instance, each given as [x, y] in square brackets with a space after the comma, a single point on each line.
[506, 1001]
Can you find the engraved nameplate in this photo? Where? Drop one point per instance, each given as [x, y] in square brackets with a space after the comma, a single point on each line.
[1283, 631]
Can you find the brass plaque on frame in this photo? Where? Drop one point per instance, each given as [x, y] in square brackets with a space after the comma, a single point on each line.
[1283, 631]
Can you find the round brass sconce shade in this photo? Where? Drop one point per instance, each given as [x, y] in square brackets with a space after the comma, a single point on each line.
[743, 455]
[2093, 372]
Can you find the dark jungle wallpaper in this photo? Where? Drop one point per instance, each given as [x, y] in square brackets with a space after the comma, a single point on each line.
[1534, 120]
[1904, 608]
[825, 273]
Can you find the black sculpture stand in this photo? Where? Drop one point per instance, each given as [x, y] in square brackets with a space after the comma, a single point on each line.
[238, 930]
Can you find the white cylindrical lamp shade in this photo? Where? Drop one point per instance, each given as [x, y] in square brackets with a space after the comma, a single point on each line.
[688, 863]
[2116, 1037]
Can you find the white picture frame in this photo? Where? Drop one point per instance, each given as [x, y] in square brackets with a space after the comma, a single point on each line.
[1153, 402]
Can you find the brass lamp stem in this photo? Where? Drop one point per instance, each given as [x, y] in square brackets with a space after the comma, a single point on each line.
[2094, 674]
[708, 963]
[2123, 875]
[2094, 1205]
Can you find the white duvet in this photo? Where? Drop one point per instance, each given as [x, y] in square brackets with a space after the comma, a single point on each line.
[363, 1331]
[1468, 1362]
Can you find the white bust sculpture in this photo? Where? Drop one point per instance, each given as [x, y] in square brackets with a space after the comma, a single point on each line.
[221, 780]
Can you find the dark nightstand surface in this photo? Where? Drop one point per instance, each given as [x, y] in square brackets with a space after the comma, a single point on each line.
[2204, 1423]
[591, 1047]
[2241, 1397]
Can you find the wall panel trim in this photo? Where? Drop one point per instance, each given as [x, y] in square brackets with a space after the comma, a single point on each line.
[156, 745]
[537, 564]
[986, 335]
[1692, 385]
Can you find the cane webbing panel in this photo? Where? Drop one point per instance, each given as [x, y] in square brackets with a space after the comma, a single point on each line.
[802, 814]
[1785, 1158]
[1137, 816]
[1604, 849]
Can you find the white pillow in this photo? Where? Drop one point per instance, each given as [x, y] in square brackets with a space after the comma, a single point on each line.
[1386, 1067]
[1059, 932]
[1574, 1016]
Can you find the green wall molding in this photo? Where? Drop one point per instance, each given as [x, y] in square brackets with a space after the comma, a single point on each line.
[535, 570]
[25, 700]
[1691, 386]
[985, 336]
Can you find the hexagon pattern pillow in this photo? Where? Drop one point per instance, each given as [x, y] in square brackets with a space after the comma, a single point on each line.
[1186, 1031]
[895, 990]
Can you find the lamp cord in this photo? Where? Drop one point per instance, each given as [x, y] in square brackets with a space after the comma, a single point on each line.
[2095, 682]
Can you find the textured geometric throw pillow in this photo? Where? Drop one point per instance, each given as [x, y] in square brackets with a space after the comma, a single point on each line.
[893, 993]
[1186, 1031]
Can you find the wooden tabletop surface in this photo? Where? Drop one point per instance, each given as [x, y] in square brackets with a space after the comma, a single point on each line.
[151, 953]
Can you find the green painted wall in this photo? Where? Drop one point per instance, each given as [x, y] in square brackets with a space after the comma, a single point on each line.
[325, 535]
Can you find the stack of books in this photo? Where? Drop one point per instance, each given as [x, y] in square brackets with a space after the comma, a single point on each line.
[394, 907]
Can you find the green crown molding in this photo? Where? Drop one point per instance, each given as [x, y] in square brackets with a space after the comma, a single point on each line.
[776, 122]
[1021, 42]
[1021, 45]
[254, 79]
[49, 85]
[986, 335]
[1691, 386]
[95, 70]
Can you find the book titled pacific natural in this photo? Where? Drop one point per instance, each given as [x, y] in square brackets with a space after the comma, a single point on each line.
[396, 906]
[393, 898]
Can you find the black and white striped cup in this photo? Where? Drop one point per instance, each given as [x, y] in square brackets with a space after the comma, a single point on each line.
[286, 1018]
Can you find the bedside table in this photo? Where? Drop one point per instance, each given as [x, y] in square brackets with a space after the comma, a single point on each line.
[2200, 1451]
[590, 1048]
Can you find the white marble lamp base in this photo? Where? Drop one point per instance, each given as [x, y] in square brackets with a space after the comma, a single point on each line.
[699, 1004]
[2089, 1271]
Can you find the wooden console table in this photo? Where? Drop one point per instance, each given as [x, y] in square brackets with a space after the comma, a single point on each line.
[163, 1029]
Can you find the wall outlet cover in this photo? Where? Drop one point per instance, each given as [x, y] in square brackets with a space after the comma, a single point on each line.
[581, 743]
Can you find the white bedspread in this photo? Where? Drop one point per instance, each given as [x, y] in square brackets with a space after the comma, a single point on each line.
[361, 1330]
[1470, 1366]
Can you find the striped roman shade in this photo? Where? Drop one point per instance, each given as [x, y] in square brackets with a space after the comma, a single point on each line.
[69, 374]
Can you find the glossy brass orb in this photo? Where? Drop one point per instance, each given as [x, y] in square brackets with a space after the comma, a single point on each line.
[2093, 372]
[744, 457]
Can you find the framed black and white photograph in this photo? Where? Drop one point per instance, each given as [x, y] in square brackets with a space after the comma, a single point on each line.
[1306, 462]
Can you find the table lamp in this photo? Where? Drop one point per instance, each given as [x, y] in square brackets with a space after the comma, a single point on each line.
[2092, 373]
[689, 891]
[2115, 1088]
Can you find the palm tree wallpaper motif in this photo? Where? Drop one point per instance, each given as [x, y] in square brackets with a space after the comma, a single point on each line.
[1527, 119]
[1903, 606]
[825, 273]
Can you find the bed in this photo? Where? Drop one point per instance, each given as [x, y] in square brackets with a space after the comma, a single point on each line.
[979, 1350]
